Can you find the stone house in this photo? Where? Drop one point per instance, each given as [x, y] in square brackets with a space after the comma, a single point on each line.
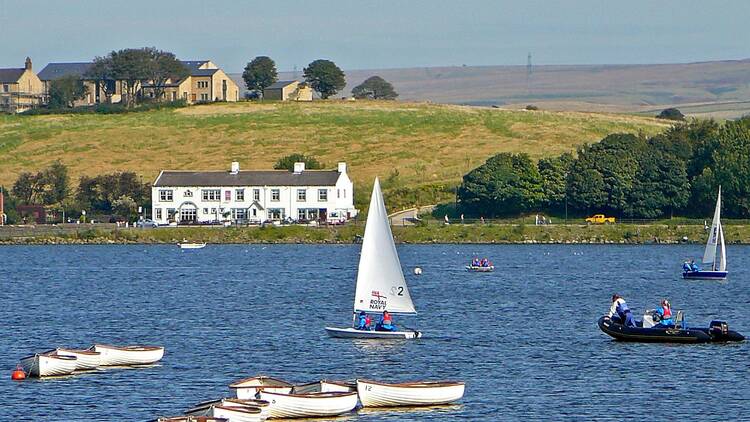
[20, 89]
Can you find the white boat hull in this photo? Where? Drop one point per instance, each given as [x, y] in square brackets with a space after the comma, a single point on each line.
[374, 394]
[232, 414]
[248, 388]
[86, 360]
[473, 269]
[43, 365]
[325, 386]
[191, 245]
[227, 402]
[128, 355]
[309, 405]
[354, 333]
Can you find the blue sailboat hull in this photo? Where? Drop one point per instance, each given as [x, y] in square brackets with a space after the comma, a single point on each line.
[705, 275]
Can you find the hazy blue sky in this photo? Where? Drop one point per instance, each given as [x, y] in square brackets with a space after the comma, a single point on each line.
[379, 34]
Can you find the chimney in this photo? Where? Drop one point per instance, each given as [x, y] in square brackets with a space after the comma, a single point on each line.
[342, 167]
[28, 63]
[235, 167]
[299, 168]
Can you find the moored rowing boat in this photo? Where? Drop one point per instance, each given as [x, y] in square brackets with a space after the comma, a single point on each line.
[311, 405]
[248, 388]
[325, 386]
[86, 360]
[128, 355]
[232, 414]
[421, 393]
[48, 364]
[229, 402]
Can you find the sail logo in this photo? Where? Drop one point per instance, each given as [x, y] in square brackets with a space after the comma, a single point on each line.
[377, 301]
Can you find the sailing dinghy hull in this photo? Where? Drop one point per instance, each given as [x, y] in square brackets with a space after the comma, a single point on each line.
[378, 394]
[705, 275]
[354, 333]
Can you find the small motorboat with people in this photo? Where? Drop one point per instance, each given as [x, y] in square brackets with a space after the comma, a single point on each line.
[187, 245]
[309, 405]
[381, 287]
[480, 266]
[248, 388]
[48, 364]
[419, 393]
[718, 264]
[86, 360]
[127, 355]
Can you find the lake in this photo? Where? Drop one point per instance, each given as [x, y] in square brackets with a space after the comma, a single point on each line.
[524, 338]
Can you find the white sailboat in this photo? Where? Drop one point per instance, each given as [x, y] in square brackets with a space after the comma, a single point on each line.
[380, 281]
[718, 266]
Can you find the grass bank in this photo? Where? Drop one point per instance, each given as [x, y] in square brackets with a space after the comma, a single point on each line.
[421, 145]
[489, 233]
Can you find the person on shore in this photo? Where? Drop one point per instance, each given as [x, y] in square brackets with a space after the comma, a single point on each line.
[620, 308]
[665, 314]
[386, 323]
[364, 321]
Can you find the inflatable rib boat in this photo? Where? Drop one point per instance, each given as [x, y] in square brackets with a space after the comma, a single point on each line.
[717, 332]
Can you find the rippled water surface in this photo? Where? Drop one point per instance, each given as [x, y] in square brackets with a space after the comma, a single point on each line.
[523, 338]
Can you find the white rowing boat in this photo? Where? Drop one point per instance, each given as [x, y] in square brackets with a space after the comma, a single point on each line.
[325, 386]
[423, 393]
[128, 355]
[229, 402]
[248, 388]
[232, 414]
[86, 360]
[190, 418]
[480, 269]
[191, 245]
[48, 364]
[381, 285]
[311, 405]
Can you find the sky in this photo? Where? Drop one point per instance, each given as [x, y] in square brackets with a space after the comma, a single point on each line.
[378, 34]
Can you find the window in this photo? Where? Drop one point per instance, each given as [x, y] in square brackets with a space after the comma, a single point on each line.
[166, 195]
[211, 195]
[338, 193]
[205, 210]
[322, 195]
[301, 214]
[239, 194]
[6, 88]
[255, 212]
[188, 215]
[276, 213]
[275, 195]
[256, 194]
[301, 195]
[227, 195]
[158, 213]
[188, 194]
[204, 97]
[213, 210]
[202, 84]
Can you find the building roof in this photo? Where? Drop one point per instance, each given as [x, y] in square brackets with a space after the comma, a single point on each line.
[193, 64]
[11, 75]
[203, 72]
[281, 84]
[247, 178]
[58, 70]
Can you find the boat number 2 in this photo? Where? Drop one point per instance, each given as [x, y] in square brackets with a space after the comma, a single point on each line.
[398, 291]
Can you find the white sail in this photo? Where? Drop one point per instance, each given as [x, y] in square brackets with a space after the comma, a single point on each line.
[723, 263]
[380, 281]
[709, 256]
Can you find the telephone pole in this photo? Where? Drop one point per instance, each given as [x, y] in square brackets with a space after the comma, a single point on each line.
[528, 75]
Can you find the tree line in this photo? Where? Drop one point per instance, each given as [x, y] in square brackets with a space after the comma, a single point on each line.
[324, 76]
[114, 196]
[677, 172]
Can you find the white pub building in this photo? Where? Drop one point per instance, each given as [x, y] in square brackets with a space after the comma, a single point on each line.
[194, 197]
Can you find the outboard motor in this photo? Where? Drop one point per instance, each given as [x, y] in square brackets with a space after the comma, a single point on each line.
[718, 328]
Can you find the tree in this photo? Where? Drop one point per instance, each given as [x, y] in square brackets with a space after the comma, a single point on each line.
[102, 193]
[507, 184]
[163, 66]
[260, 73]
[131, 66]
[287, 163]
[374, 88]
[64, 91]
[26, 188]
[103, 76]
[671, 114]
[47, 187]
[325, 77]
[554, 173]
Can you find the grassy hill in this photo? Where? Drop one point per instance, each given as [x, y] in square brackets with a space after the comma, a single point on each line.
[428, 144]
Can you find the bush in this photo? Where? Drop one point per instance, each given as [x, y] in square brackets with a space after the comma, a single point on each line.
[671, 114]
[106, 108]
[532, 107]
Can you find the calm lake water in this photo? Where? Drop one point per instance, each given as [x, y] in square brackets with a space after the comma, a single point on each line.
[523, 338]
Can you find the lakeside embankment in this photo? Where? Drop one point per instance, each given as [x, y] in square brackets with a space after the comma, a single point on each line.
[457, 233]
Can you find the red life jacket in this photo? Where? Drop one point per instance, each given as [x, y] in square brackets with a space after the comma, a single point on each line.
[387, 320]
[667, 312]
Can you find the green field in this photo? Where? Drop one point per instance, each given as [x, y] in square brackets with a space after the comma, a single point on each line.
[428, 145]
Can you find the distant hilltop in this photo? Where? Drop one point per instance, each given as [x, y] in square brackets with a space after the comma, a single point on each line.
[717, 88]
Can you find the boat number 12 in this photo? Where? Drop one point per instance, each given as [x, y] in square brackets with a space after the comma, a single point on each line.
[398, 291]
[368, 388]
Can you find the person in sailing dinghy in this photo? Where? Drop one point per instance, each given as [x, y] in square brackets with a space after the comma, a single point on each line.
[386, 323]
[620, 308]
[665, 314]
[364, 321]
